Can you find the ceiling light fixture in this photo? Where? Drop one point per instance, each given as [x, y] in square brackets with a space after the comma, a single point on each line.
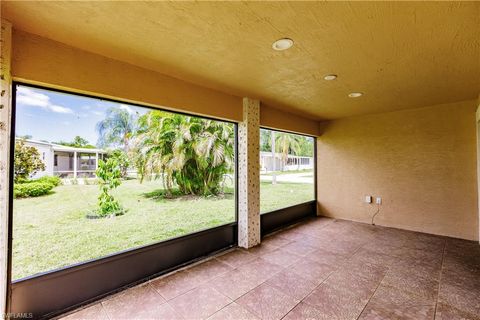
[282, 44]
[330, 77]
[355, 94]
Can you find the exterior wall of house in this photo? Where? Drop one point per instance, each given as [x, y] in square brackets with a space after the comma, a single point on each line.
[266, 163]
[421, 162]
[46, 155]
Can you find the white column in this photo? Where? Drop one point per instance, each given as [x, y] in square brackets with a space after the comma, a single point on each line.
[5, 125]
[96, 164]
[249, 175]
[75, 164]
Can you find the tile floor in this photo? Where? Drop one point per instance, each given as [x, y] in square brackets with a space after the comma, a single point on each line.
[320, 269]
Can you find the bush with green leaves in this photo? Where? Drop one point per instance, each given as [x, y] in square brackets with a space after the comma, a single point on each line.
[31, 189]
[54, 181]
[26, 161]
[122, 159]
[24, 188]
[108, 174]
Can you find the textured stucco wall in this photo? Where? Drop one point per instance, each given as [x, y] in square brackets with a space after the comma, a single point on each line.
[42, 61]
[276, 119]
[422, 162]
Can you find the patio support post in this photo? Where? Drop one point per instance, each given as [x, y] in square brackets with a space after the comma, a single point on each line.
[96, 163]
[75, 164]
[5, 125]
[249, 175]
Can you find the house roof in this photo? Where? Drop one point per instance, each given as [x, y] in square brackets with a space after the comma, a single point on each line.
[59, 147]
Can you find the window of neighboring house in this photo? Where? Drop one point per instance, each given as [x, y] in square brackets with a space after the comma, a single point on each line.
[286, 169]
[172, 175]
[55, 160]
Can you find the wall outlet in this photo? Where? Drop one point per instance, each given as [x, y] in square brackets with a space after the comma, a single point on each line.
[368, 199]
[378, 200]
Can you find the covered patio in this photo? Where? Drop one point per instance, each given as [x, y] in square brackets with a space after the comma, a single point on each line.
[374, 106]
[318, 269]
[71, 162]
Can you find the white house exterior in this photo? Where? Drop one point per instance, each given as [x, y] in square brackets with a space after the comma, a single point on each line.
[292, 163]
[64, 161]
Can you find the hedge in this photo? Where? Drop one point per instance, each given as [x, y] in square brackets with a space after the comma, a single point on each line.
[31, 189]
[55, 181]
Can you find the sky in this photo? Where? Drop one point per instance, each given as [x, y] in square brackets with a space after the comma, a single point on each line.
[54, 116]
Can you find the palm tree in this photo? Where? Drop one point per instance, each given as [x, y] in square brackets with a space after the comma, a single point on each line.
[286, 144]
[117, 128]
[193, 153]
[265, 140]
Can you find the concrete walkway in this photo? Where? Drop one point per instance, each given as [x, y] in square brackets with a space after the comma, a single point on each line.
[301, 177]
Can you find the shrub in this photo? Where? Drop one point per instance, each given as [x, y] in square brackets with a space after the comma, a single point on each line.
[31, 189]
[91, 181]
[54, 181]
[108, 174]
[26, 161]
[123, 163]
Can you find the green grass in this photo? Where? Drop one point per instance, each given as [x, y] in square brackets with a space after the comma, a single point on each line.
[281, 195]
[52, 231]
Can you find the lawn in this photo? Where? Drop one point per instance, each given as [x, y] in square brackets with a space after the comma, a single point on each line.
[51, 231]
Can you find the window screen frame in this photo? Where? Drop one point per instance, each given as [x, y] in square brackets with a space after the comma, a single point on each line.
[274, 220]
[22, 293]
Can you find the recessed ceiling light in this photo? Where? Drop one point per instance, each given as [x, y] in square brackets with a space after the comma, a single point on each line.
[330, 77]
[282, 44]
[355, 94]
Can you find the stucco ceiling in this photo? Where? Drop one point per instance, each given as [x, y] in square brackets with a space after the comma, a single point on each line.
[400, 54]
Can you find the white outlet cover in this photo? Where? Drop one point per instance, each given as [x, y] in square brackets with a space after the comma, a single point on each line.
[378, 200]
[368, 199]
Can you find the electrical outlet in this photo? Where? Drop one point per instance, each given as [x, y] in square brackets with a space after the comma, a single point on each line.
[368, 199]
[378, 200]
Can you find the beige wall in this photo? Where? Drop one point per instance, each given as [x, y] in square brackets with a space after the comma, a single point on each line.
[478, 159]
[422, 163]
[42, 61]
[276, 119]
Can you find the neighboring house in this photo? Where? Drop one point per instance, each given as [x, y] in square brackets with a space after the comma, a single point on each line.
[64, 161]
[293, 162]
